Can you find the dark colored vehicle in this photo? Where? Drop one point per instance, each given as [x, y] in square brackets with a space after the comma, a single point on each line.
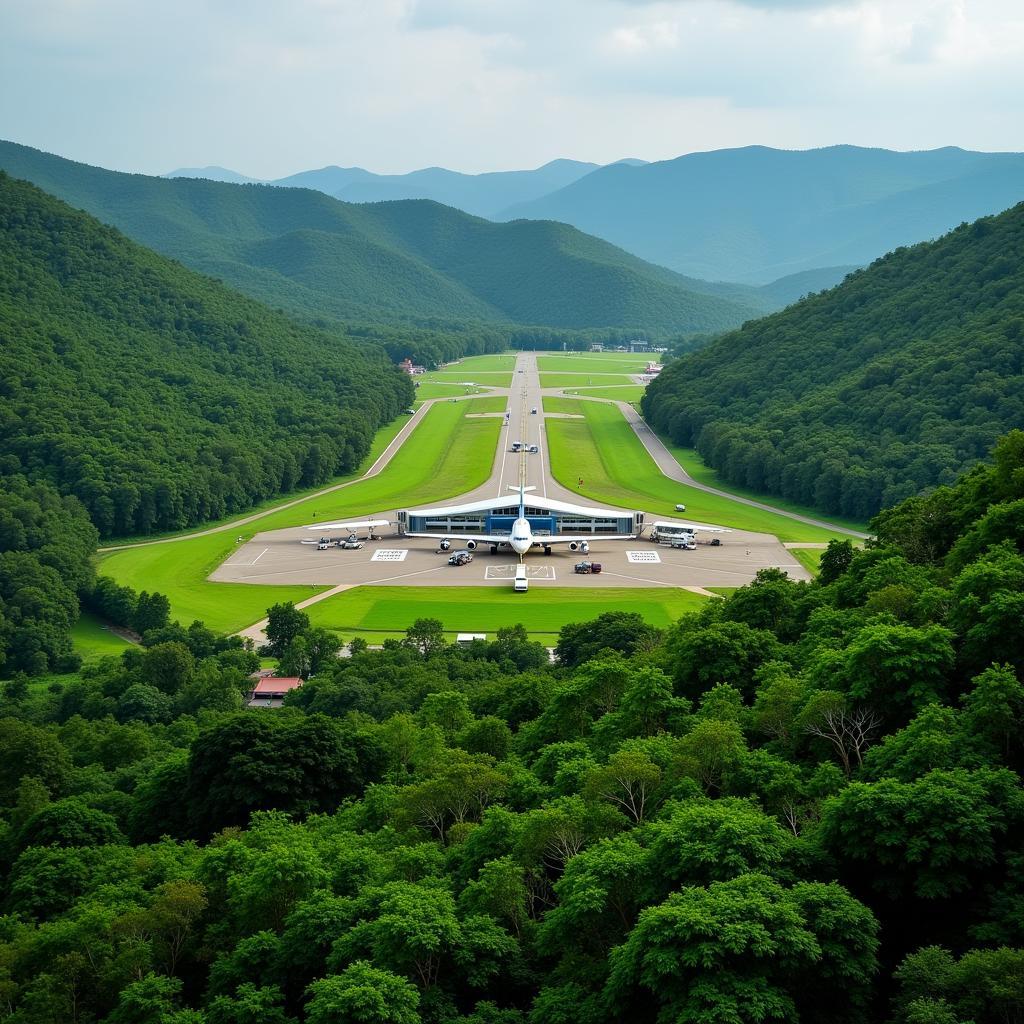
[587, 568]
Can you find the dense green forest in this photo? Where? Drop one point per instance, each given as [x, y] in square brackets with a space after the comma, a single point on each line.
[851, 400]
[801, 804]
[157, 397]
[408, 262]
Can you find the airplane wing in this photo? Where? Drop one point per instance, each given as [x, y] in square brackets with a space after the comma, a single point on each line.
[694, 528]
[590, 538]
[480, 538]
[366, 524]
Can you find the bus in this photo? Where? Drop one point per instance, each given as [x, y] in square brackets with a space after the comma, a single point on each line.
[666, 533]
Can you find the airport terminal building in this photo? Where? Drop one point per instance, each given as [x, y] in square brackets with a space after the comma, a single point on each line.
[547, 518]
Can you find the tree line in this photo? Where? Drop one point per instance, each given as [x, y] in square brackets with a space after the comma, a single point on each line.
[801, 803]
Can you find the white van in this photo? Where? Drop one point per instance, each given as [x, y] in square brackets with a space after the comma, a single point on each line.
[522, 583]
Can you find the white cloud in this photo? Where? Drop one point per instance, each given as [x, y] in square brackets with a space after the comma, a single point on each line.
[269, 88]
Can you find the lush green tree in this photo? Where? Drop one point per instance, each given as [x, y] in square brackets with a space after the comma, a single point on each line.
[722, 652]
[363, 994]
[284, 623]
[930, 838]
[625, 632]
[744, 950]
[425, 636]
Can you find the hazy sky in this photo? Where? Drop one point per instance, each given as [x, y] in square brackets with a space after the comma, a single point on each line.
[269, 87]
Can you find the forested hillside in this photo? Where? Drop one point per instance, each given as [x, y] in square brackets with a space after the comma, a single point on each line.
[755, 214]
[157, 397]
[406, 262]
[802, 804]
[891, 383]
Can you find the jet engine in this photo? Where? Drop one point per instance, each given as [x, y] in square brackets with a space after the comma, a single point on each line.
[471, 545]
[445, 545]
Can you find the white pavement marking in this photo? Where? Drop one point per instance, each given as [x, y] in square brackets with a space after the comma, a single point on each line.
[389, 555]
[253, 562]
[638, 579]
[643, 556]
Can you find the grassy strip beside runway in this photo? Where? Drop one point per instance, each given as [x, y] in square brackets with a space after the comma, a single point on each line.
[378, 612]
[582, 380]
[442, 389]
[565, 406]
[809, 558]
[593, 362]
[616, 469]
[445, 455]
[631, 393]
[704, 474]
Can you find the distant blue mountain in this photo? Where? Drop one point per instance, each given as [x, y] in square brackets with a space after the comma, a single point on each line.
[757, 214]
[212, 173]
[482, 194]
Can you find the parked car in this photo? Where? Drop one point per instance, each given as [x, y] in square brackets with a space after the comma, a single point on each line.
[351, 544]
[461, 558]
[533, 449]
[533, 411]
[410, 412]
[680, 508]
[587, 568]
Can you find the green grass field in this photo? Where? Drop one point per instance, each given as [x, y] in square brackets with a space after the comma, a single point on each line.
[631, 393]
[615, 467]
[93, 641]
[809, 558]
[378, 612]
[446, 454]
[593, 362]
[490, 403]
[562, 405]
[488, 378]
[441, 389]
[504, 362]
[582, 380]
[703, 474]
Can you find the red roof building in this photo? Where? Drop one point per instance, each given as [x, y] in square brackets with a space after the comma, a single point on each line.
[270, 691]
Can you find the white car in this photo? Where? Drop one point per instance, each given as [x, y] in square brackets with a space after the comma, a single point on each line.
[350, 545]
[680, 508]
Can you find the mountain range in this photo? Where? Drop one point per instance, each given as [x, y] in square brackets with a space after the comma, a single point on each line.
[752, 215]
[485, 195]
[413, 261]
[756, 214]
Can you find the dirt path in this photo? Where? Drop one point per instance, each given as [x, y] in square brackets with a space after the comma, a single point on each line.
[257, 631]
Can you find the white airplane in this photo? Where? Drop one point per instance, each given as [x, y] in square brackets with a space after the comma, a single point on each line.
[521, 537]
[367, 524]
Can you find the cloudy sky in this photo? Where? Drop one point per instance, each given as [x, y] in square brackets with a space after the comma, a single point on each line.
[269, 87]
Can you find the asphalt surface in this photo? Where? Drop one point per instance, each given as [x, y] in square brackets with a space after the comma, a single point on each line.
[280, 557]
